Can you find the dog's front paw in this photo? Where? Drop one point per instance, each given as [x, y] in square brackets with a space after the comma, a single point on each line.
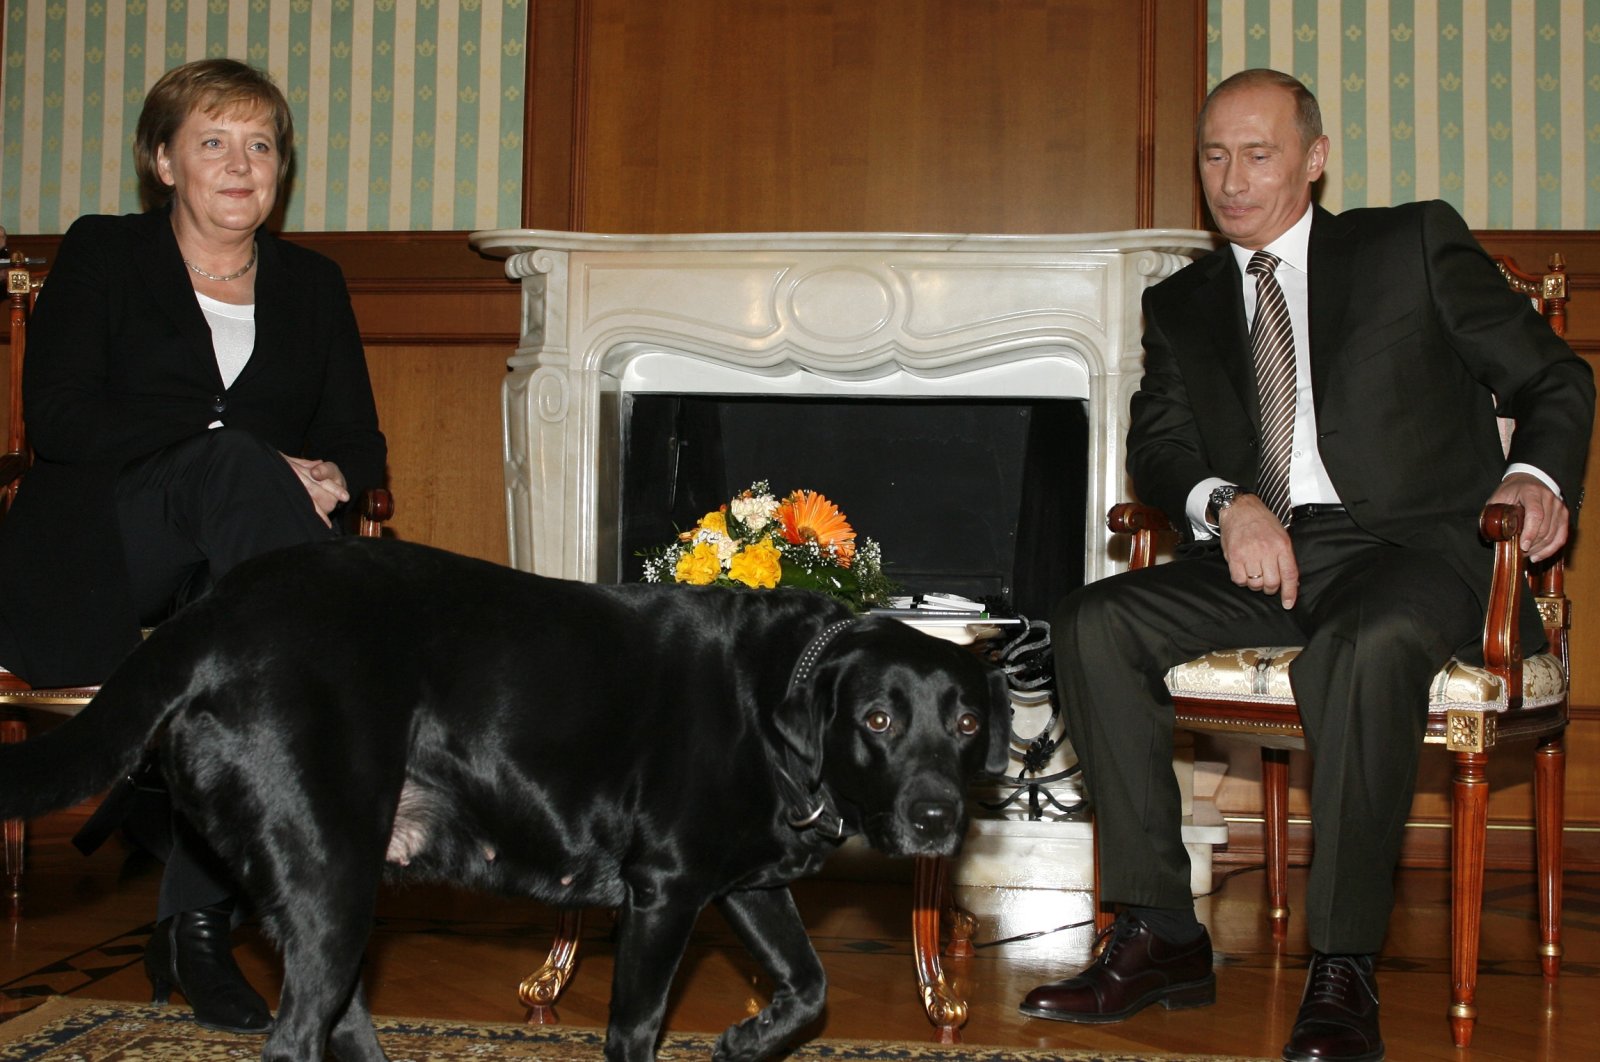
[753, 1039]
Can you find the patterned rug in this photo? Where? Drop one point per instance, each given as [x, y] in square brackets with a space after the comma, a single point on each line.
[90, 1030]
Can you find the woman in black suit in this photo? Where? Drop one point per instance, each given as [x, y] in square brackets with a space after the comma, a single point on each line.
[196, 394]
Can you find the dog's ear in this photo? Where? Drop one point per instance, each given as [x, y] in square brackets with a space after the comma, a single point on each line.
[800, 721]
[804, 715]
[998, 760]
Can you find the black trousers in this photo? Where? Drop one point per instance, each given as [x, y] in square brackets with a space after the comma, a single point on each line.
[188, 514]
[1376, 622]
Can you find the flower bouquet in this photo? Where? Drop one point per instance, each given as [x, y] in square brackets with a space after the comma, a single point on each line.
[760, 541]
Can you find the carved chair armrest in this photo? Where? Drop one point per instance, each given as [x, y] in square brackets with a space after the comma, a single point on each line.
[1501, 525]
[377, 505]
[1144, 523]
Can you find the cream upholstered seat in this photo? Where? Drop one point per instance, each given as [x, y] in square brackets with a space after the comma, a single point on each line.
[1261, 675]
[1245, 693]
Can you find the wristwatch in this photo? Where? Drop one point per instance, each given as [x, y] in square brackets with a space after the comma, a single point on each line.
[1221, 498]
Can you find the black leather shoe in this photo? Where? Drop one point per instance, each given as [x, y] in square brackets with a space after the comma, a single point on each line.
[1338, 1019]
[193, 952]
[1135, 969]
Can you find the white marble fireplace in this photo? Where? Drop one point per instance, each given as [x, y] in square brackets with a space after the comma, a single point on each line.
[836, 314]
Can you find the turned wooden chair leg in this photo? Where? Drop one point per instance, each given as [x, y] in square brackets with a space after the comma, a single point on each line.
[540, 990]
[1469, 829]
[1549, 786]
[1103, 914]
[1275, 836]
[945, 1009]
[14, 729]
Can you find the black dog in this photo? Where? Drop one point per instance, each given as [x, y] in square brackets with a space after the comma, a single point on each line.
[328, 709]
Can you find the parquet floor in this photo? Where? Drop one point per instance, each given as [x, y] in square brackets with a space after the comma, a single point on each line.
[440, 953]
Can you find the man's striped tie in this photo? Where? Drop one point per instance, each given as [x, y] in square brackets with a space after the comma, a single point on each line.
[1272, 345]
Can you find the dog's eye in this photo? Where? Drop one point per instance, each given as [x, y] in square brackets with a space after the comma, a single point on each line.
[878, 721]
[968, 725]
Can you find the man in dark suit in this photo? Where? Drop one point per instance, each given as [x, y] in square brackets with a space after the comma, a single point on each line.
[1320, 418]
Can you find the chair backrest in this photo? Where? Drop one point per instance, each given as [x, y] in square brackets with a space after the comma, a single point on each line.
[22, 286]
[1547, 290]
[1548, 293]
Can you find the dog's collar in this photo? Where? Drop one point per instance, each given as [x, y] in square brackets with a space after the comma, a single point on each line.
[830, 824]
[807, 661]
[822, 817]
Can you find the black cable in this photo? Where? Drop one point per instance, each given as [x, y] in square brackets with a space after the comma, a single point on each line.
[1035, 935]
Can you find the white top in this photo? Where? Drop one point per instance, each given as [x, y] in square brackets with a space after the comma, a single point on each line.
[233, 334]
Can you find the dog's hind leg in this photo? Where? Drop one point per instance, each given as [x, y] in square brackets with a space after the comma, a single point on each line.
[769, 924]
[323, 940]
[353, 1038]
[650, 944]
[321, 914]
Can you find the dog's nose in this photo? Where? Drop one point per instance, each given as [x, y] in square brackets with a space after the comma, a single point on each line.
[934, 817]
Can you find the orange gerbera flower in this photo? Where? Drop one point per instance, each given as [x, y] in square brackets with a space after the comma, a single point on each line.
[809, 517]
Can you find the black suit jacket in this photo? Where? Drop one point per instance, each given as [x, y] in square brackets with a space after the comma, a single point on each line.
[120, 364]
[1416, 343]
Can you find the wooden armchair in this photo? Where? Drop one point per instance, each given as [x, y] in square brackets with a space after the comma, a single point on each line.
[17, 697]
[1245, 693]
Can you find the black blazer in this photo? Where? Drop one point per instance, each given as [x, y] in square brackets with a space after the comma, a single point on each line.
[1416, 342]
[120, 364]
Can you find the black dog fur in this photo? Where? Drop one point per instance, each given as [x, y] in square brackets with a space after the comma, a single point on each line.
[330, 710]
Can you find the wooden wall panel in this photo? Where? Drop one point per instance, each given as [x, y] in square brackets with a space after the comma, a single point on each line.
[899, 115]
[438, 321]
[1179, 68]
[440, 409]
[553, 74]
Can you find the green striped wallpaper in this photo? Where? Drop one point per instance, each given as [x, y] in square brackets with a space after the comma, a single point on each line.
[1492, 105]
[408, 113]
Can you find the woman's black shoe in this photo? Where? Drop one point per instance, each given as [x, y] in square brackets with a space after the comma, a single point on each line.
[193, 952]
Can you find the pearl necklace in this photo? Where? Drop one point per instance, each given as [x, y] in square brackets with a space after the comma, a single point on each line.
[226, 276]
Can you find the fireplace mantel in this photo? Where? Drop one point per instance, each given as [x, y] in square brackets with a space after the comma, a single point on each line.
[881, 314]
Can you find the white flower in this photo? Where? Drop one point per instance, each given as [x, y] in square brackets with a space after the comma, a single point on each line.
[725, 546]
[754, 511]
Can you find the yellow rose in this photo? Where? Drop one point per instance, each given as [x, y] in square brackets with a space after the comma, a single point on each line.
[757, 566]
[717, 521]
[699, 566]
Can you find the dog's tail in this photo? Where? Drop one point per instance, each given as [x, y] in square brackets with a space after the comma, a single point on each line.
[87, 753]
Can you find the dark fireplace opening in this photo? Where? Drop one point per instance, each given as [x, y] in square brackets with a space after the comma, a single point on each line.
[982, 497]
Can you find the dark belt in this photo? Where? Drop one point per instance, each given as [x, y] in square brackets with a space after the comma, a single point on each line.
[1312, 511]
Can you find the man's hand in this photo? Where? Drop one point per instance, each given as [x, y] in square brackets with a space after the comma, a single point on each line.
[323, 481]
[1544, 514]
[1259, 552]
